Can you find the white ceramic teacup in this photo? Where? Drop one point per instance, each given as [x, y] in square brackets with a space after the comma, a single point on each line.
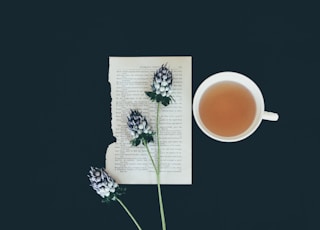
[260, 115]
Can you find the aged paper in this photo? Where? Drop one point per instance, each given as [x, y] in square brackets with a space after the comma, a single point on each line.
[129, 78]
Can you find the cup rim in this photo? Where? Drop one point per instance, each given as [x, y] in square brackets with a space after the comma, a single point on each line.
[238, 78]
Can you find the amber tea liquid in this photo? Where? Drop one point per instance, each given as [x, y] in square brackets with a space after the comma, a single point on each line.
[227, 109]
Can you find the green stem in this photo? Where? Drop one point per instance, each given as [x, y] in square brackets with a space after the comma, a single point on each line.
[163, 220]
[158, 141]
[129, 213]
[147, 147]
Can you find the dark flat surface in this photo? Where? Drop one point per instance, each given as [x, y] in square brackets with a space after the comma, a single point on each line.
[59, 114]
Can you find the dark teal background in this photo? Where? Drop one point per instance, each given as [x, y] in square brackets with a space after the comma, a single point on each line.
[57, 113]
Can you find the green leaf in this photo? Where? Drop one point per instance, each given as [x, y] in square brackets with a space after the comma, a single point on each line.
[159, 98]
[140, 139]
[147, 137]
[108, 199]
[166, 101]
[120, 191]
[135, 142]
[151, 95]
[112, 197]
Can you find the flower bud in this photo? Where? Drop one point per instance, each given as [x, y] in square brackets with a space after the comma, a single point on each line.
[161, 86]
[104, 184]
[139, 128]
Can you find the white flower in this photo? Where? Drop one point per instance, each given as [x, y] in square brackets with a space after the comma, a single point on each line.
[161, 86]
[162, 81]
[139, 128]
[101, 182]
[138, 124]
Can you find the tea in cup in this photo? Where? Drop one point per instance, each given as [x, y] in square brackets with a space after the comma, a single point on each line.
[229, 107]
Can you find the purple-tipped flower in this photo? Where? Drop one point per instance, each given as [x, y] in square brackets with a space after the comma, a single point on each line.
[161, 86]
[139, 128]
[104, 184]
[162, 81]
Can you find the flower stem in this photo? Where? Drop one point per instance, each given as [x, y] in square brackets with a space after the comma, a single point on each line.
[129, 213]
[158, 141]
[163, 220]
[148, 150]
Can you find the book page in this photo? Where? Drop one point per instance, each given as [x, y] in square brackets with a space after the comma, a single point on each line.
[130, 78]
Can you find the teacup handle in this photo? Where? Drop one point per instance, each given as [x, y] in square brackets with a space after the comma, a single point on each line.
[270, 116]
